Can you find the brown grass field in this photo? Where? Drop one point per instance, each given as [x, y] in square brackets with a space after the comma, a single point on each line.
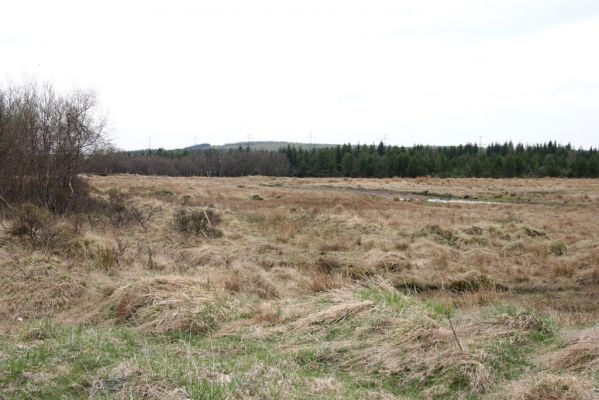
[317, 288]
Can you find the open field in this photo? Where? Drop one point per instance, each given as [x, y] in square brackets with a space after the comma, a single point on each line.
[308, 288]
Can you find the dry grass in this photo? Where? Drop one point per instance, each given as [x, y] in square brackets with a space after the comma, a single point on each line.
[37, 287]
[580, 354]
[250, 280]
[169, 304]
[339, 269]
[549, 387]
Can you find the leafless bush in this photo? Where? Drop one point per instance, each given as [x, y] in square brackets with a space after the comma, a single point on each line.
[143, 216]
[40, 227]
[199, 222]
[29, 220]
[117, 202]
[44, 137]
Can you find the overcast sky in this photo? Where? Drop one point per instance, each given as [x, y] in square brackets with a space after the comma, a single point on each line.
[411, 71]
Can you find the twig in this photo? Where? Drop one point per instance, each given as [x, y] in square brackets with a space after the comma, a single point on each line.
[11, 325]
[455, 335]
[207, 219]
[6, 202]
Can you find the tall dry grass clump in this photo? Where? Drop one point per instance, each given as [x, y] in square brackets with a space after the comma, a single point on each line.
[170, 304]
[580, 354]
[248, 279]
[38, 287]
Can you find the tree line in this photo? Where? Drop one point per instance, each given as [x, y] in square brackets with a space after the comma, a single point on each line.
[48, 139]
[496, 161]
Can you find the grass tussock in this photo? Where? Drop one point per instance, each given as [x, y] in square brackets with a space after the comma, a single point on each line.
[472, 281]
[169, 304]
[250, 280]
[546, 386]
[204, 255]
[37, 287]
[378, 261]
[439, 234]
[580, 354]
[319, 281]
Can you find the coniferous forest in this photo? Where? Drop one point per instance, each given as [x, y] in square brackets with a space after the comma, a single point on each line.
[495, 161]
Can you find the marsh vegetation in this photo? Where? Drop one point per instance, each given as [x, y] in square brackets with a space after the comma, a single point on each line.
[264, 287]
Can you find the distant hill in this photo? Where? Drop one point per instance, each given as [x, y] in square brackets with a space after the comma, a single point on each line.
[258, 145]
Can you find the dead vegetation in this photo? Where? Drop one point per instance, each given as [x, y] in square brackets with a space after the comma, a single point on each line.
[580, 354]
[37, 287]
[546, 386]
[199, 222]
[380, 297]
[169, 304]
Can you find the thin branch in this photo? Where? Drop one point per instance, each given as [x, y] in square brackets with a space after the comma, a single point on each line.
[455, 335]
[6, 202]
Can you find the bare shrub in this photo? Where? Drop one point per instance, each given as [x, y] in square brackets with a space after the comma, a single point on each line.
[44, 139]
[30, 220]
[118, 207]
[109, 258]
[143, 216]
[198, 222]
[39, 226]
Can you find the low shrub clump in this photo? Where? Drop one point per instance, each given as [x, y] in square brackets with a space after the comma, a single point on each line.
[30, 221]
[557, 248]
[439, 234]
[107, 258]
[119, 208]
[198, 222]
[39, 227]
